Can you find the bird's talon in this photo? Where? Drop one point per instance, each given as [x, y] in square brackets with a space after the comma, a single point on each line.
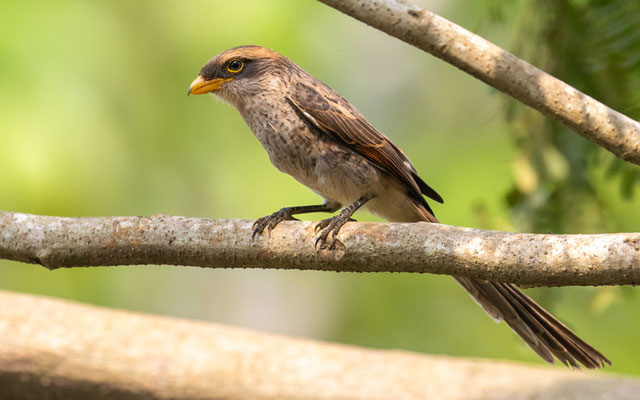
[322, 224]
[329, 227]
[258, 228]
[269, 222]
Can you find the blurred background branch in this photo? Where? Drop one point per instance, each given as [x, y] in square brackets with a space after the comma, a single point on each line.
[530, 259]
[57, 349]
[500, 69]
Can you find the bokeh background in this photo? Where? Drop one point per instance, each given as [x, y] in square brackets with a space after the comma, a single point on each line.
[95, 121]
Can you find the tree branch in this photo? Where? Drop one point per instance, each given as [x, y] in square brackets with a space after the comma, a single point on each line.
[527, 259]
[57, 349]
[500, 69]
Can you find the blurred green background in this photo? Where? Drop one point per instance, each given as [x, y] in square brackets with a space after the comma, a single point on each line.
[95, 121]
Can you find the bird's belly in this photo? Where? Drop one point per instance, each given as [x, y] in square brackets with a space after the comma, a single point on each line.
[346, 176]
[329, 168]
[343, 175]
[323, 172]
[315, 160]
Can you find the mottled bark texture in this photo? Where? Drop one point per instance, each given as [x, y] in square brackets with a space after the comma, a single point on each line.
[526, 259]
[53, 349]
[500, 69]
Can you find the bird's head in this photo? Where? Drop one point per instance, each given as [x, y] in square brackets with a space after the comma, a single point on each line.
[241, 73]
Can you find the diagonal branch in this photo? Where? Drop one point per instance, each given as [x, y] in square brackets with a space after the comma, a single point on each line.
[529, 259]
[53, 349]
[495, 66]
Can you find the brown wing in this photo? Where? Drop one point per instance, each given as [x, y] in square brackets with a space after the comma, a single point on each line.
[335, 116]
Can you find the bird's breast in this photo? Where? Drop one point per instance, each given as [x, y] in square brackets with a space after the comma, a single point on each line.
[313, 158]
[288, 142]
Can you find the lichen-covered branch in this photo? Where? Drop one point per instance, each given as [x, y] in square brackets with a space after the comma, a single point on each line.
[500, 69]
[53, 349]
[528, 259]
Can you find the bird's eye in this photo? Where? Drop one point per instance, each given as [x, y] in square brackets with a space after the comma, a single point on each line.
[235, 66]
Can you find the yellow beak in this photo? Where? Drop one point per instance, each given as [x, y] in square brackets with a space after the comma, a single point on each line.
[202, 86]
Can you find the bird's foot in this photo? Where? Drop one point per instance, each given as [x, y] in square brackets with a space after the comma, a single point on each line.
[330, 226]
[270, 221]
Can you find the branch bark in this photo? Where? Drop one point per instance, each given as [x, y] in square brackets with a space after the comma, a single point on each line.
[500, 69]
[57, 349]
[526, 259]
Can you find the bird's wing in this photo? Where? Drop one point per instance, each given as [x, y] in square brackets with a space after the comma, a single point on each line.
[336, 117]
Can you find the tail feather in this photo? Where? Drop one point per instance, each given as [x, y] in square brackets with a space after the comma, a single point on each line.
[573, 345]
[547, 336]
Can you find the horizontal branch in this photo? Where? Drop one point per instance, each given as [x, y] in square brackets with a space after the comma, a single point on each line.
[527, 259]
[497, 67]
[57, 349]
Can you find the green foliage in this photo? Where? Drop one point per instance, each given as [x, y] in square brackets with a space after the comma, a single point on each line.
[595, 47]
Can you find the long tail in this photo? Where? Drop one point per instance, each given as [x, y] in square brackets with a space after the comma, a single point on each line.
[547, 336]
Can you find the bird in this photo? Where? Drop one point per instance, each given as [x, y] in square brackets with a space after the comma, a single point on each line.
[313, 134]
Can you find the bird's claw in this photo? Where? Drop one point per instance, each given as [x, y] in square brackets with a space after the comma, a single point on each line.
[270, 221]
[330, 226]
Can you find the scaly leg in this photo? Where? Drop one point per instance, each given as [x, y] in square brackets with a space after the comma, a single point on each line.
[332, 225]
[286, 214]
